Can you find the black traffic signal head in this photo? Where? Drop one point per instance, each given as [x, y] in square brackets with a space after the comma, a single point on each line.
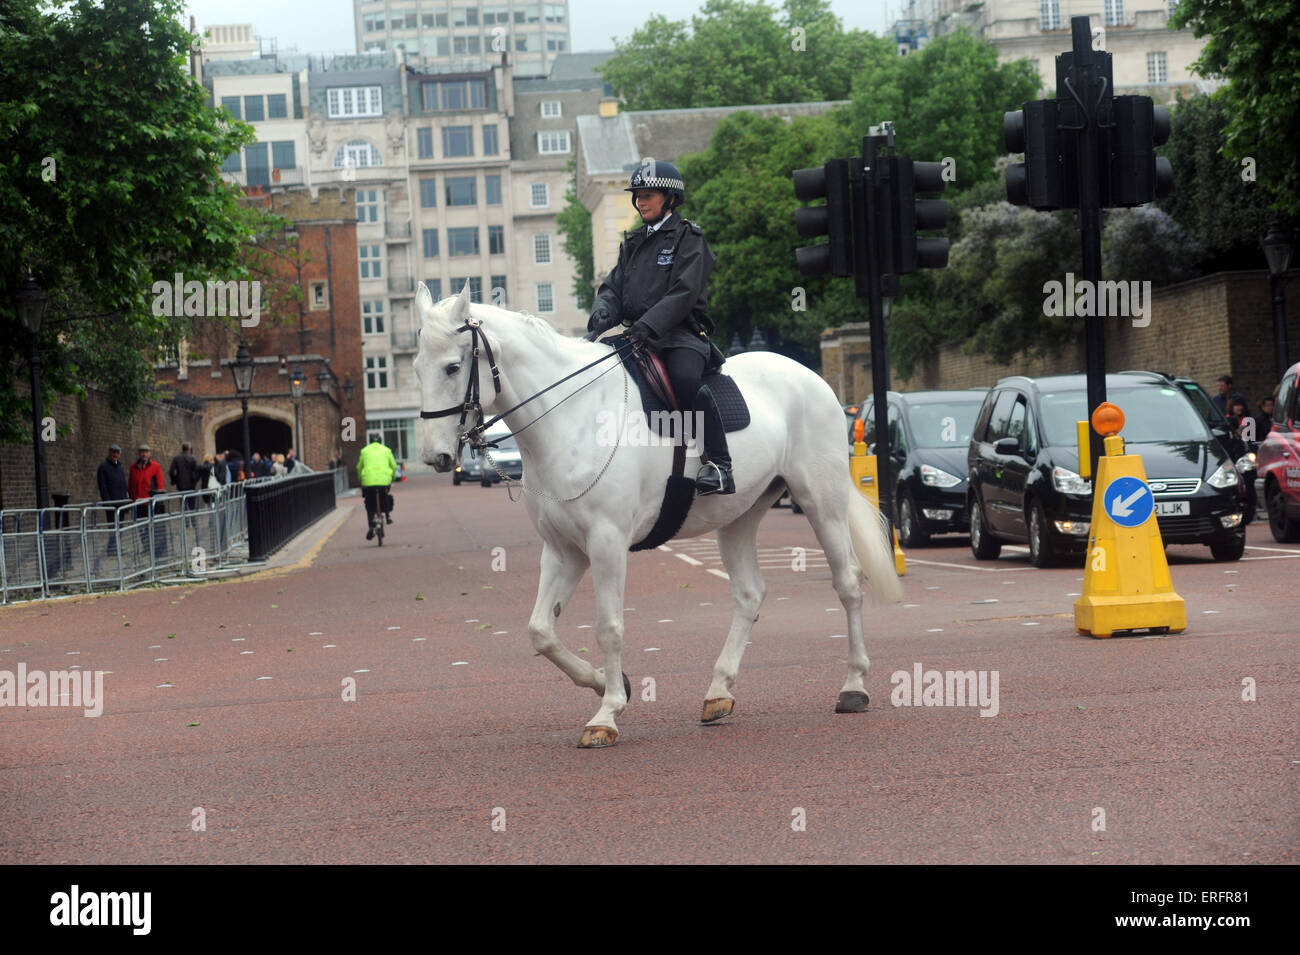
[907, 215]
[834, 219]
[1137, 175]
[1041, 181]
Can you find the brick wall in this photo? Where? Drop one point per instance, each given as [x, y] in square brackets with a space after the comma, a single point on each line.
[1221, 323]
[72, 460]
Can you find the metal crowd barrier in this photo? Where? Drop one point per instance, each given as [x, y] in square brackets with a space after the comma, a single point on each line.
[115, 545]
[276, 512]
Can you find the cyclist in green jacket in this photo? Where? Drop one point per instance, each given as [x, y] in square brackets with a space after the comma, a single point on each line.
[376, 469]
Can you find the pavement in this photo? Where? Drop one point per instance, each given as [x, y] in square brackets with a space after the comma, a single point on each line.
[360, 704]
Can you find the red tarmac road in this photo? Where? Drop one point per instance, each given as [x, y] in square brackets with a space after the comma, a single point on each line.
[456, 722]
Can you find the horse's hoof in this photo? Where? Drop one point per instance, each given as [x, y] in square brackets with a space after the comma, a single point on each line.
[716, 709]
[594, 737]
[852, 701]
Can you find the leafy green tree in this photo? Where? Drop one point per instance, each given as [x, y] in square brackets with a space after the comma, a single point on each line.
[734, 53]
[1255, 46]
[1224, 213]
[108, 182]
[574, 225]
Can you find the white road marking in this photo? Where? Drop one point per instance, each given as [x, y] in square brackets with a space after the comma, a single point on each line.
[986, 570]
[690, 560]
[719, 573]
[1274, 557]
[1283, 550]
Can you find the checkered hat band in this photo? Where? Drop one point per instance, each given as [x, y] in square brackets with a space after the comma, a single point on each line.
[659, 184]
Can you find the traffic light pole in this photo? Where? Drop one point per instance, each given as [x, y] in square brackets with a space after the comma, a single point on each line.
[869, 285]
[1089, 95]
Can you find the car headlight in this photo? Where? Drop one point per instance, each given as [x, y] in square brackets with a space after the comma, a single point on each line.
[1067, 482]
[1246, 463]
[933, 477]
[1225, 477]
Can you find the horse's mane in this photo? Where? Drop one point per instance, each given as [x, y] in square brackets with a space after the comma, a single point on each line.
[528, 319]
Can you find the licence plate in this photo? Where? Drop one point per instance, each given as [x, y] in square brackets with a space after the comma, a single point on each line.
[1173, 509]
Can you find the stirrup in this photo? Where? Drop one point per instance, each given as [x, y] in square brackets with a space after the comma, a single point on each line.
[714, 479]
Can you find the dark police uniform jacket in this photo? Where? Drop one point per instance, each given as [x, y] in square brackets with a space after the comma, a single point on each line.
[662, 279]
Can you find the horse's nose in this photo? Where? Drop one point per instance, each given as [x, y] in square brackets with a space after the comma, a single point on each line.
[442, 462]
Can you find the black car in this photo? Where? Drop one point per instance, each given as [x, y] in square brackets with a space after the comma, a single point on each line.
[929, 432]
[1023, 466]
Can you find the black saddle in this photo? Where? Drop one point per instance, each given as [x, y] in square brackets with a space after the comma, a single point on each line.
[652, 381]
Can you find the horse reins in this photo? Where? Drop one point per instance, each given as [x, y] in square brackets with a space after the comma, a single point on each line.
[472, 400]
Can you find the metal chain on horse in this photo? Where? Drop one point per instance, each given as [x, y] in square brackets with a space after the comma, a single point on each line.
[510, 483]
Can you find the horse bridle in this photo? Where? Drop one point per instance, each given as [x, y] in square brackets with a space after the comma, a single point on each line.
[472, 395]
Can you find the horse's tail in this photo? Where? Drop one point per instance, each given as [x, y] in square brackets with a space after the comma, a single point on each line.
[871, 542]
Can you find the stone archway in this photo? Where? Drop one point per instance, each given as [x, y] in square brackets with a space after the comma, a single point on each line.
[270, 426]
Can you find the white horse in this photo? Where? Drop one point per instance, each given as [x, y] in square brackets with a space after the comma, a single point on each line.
[590, 501]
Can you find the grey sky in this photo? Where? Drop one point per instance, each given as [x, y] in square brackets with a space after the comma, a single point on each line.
[325, 26]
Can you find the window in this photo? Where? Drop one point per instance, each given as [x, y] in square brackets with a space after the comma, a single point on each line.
[465, 44]
[539, 195]
[551, 108]
[541, 249]
[462, 241]
[231, 105]
[475, 287]
[424, 142]
[276, 108]
[465, 17]
[357, 152]
[257, 158]
[493, 15]
[372, 317]
[397, 433]
[461, 191]
[232, 163]
[282, 154]
[1157, 68]
[556, 42]
[372, 266]
[490, 147]
[455, 94]
[458, 141]
[545, 297]
[1114, 13]
[553, 142]
[376, 372]
[999, 420]
[253, 112]
[496, 240]
[498, 290]
[434, 19]
[346, 101]
[368, 202]
[320, 296]
[429, 193]
[435, 288]
[555, 13]
[430, 237]
[492, 189]
[528, 42]
[1049, 14]
[411, 19]
[1173, 5]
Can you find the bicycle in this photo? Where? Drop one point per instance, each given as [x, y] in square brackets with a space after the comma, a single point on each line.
[380, 518]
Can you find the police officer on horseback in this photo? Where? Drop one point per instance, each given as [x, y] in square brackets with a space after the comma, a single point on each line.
[660, 289]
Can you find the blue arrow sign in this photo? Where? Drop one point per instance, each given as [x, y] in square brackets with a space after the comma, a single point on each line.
[1128, 502]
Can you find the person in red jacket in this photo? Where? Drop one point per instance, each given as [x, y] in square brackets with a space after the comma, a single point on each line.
[146, 475]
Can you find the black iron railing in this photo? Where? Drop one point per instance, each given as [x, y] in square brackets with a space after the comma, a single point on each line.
[279, 510]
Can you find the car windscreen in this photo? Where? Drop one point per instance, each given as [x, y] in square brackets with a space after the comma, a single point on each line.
[1151, 413]
[1211, 415]
[944, 424]
[506, 444]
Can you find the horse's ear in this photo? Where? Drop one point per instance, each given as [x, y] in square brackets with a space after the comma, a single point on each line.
[423, 299]
[460, 309]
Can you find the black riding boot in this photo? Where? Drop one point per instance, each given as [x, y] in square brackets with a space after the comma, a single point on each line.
[715, 473]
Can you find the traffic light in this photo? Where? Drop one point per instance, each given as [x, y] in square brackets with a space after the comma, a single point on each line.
[908, 214]
[1039, 181]
[834, 219]
[1137, 175]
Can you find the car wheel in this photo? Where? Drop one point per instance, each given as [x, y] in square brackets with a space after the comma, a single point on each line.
[486, 479]
[1284, 529]
[1229, 550]
[455, 480]
[1041, 551]
[982, 544]
[909, 523]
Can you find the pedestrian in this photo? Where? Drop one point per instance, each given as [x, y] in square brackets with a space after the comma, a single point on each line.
[1264, 420]
[235, 461]
[112, 480]
[111, 476]
[144, 479]
[1226, 392]
[255, 468]
[660, 289]
[221, 469]
[290, 461]
[1237, 414]
[184, 472]
[277, 466]
[376, 469]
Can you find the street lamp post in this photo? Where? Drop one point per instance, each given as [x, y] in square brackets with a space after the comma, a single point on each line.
[297, 384]
[242, 369]
[31, 301]
[349, 389]
[1278, 249]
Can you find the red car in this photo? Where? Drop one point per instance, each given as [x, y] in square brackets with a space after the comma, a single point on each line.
[1279, 461]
